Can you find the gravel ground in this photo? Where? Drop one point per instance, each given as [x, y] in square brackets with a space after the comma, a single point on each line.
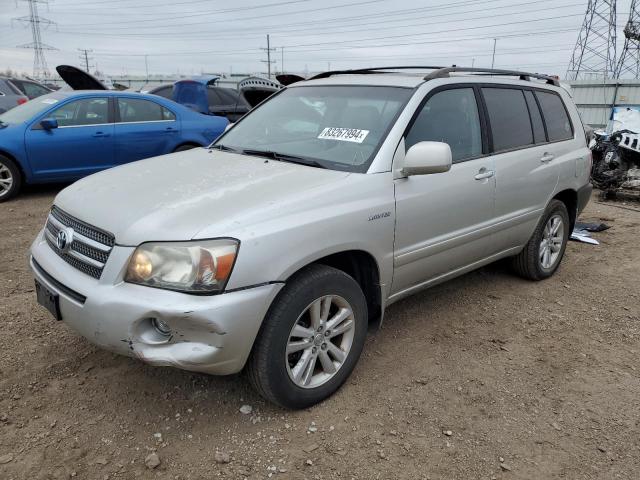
[487, 376]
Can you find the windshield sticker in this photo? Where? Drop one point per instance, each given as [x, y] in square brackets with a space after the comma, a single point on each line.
[354, 135]
[50, 101]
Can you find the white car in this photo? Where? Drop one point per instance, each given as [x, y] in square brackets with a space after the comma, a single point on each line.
[276, 248]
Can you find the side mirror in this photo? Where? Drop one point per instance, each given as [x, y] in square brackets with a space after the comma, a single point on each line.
[49, 123]
[425, 158]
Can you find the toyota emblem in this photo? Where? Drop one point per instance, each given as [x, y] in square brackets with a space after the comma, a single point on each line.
[64, 240]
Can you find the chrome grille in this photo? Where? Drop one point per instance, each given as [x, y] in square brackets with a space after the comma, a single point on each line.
[89, 248]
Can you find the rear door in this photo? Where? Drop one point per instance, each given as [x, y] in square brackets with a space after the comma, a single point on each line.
[143, 129]
[525, 179]
[82, 144]
[443, 220]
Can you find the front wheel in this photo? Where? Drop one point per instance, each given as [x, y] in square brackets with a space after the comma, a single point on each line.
[311, 338]
[10, 179]
[542, 255]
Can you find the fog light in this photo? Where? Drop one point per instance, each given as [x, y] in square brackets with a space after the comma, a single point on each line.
[161, 327]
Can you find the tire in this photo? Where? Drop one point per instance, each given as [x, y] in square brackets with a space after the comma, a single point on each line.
[531, 263]
[182, 148]
[280, 377]
[10, 179]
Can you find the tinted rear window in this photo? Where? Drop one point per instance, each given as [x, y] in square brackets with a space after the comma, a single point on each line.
[555, 116]
[536, 119]
[508, 117]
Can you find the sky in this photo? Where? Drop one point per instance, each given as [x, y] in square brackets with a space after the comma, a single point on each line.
[215, 36]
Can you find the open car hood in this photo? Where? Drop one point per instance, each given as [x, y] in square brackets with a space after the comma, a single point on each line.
[254, 89]
[79, 79]
[192, 92]
[289, 78]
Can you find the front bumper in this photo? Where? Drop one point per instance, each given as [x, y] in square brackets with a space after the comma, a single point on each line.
[210, 334]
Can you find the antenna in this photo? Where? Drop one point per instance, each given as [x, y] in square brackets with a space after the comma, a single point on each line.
[40, 69]
[595, 50]
[629, 61]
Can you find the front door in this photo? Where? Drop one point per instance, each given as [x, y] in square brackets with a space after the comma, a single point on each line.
[443, 220]
[81, 145]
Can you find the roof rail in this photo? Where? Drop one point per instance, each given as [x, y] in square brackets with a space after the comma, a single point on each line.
[444, 73]
[364, 71]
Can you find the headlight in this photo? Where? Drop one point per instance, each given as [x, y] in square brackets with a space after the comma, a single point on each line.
[199, 267]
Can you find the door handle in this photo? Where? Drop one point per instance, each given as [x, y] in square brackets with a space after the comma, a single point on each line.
[101, 134]
[170, 130]
[484, 173]
[547, 157]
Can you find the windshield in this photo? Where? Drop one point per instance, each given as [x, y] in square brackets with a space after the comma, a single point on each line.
[339, 127]
[26, 111]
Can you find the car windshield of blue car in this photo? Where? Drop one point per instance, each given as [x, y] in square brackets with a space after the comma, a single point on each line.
[26, 111]
[338, 127]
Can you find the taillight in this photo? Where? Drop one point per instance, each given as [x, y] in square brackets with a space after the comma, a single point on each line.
[22, 100]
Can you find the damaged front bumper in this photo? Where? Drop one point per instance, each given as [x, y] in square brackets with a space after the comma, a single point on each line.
[210, 334]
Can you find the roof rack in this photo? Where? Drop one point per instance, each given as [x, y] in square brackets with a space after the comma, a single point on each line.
[444, 73]
[364, 71]
[441, 72]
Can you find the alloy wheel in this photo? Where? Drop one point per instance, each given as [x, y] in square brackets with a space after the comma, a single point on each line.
[551, 243]
[6, 180]
[320, 341]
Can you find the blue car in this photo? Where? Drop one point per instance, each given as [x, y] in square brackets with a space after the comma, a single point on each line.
[64, 136]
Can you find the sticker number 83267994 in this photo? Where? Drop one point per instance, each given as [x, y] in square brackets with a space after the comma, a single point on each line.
[354, 135]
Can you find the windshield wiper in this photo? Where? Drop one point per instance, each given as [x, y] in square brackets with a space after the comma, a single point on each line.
[224, 148]
[283, 157]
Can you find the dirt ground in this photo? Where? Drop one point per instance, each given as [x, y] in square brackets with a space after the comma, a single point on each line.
[485, 377]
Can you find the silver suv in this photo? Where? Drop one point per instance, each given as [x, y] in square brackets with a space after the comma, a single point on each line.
[275, 249]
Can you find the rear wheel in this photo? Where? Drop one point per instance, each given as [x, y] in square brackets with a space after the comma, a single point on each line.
[311, 339]
[10, 178]
[542, 255]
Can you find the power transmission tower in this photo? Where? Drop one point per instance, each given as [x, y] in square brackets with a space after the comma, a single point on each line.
[595, 50]
[40, 69]
[629, 61]
[268, 61]
[85, 58]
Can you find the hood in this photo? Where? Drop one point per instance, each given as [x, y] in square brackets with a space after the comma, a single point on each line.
[289, 78]
[254, 89]
[176, 196]
[79, 79]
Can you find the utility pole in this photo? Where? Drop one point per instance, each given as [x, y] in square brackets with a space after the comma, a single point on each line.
[84, 57]
[595, 50]
[282, 61]
[40, 69]
[268, 61]
[493, 57]
[146, 67]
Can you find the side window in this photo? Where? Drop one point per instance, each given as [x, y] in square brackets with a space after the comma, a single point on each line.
[138, 110]
[508, 118]
[555, 116]
[167, 114]
[88, 111]
[536, 119]
[30, 89]
[166, 92]
[450, 116]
